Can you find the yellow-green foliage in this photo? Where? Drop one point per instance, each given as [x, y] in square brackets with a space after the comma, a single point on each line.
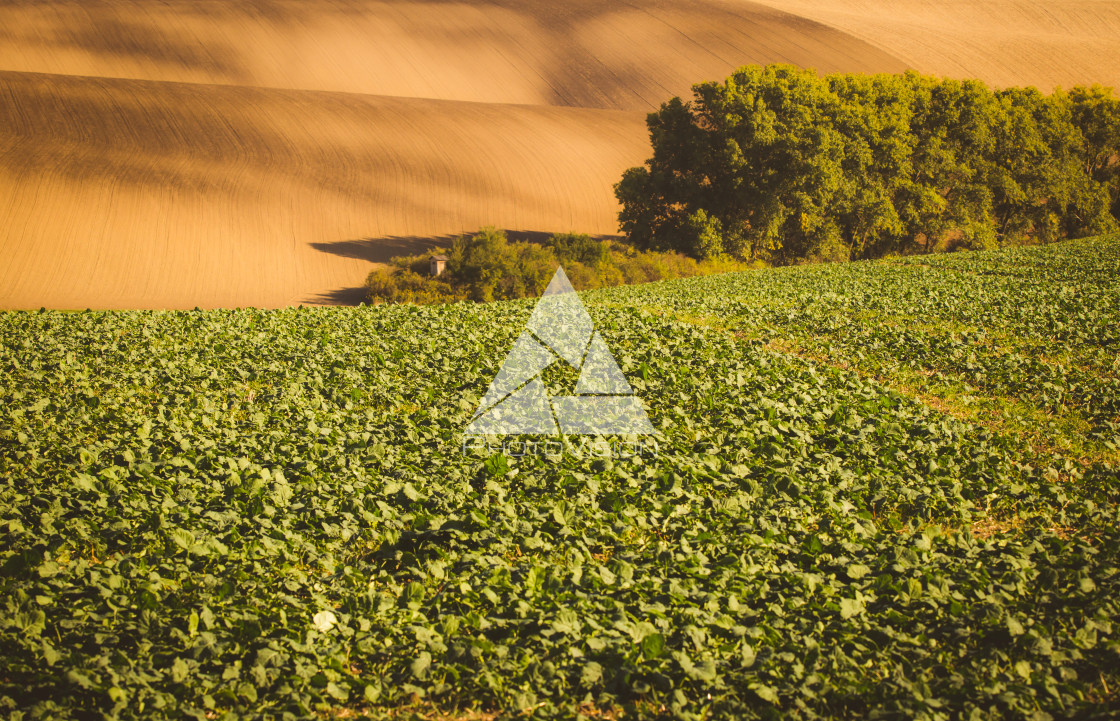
[488, 266]
[407, 286]
[782, 164]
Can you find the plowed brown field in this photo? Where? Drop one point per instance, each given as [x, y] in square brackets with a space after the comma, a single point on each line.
[216, 153]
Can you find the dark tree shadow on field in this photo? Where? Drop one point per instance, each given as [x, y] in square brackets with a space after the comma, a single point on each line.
[339, 296]
[384, 249]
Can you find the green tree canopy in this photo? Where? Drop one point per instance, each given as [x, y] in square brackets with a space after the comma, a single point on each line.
[779, 163]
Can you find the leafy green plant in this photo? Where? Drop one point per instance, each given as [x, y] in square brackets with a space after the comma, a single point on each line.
[269, 514]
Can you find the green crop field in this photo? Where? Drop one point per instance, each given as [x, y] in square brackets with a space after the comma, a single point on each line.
[883, 490]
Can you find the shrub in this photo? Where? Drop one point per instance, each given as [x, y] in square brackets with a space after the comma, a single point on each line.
[582, 276]
[488, 266]
[572, 248]
[407, 286]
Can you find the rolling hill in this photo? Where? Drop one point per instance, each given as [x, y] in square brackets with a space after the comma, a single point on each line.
[266, 153]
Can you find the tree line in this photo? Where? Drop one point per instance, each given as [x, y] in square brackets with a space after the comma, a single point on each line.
[780, 164]
[487, 266]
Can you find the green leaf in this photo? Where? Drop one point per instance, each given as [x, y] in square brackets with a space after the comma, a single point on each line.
[182, 538]
[85, 482]
[858, 570]
[32, 623]
[497, 465]
[591, 674]
[653, 646]
[764, 692]
[850, 607]
[180, 670]
[50, 653]
[747, 655]
[420, 665]
[567, 621]
[704, 671]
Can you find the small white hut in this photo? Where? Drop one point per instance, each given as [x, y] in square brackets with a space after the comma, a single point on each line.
[437, 264]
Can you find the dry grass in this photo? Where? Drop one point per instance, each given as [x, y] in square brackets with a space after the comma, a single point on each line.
[986, 528]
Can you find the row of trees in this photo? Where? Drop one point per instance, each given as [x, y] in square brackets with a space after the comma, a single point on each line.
[781, 164]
